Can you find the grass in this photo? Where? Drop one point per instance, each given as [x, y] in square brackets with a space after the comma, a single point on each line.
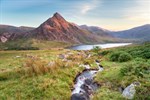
[34, 77]
[122, 74]
[39, 74]
[32, 44]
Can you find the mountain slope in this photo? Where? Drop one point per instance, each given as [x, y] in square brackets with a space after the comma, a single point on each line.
[7, 31]
[58, 29]
[96, 30]
[141, 33]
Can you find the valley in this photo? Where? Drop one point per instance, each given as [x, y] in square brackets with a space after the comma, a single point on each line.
[74, 50]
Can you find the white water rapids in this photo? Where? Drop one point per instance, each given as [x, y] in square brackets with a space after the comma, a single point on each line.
[81, 84]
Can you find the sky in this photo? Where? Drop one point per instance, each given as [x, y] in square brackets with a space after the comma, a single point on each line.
[108, 14]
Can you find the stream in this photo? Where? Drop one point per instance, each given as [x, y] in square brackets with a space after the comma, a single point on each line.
[85, 85]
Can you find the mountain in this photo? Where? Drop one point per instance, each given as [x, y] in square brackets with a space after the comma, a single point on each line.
[7, 31]
[57, 32]
[141, 33]
[57, 28]
[96, 30]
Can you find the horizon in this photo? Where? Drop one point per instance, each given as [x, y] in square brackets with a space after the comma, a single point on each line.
[129, 14]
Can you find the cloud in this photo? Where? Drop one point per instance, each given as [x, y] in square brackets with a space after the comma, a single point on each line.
[140, 12]
[85, 8]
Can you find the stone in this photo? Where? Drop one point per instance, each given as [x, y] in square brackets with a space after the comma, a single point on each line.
[129, 92]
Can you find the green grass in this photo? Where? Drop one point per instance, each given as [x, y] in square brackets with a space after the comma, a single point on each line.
[48, 86]
[17, 84]
[32, 44]
[28, 77]
[122, 74]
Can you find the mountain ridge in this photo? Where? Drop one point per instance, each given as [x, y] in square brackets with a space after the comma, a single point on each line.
[140, 32]
[56, 28]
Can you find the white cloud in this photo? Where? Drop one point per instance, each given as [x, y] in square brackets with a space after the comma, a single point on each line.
[85, 8]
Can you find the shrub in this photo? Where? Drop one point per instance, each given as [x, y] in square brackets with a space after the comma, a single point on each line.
[120, 56]
[124, 57]
[139, 70]
[115, 55]
[126, 70]
[146, 54]
[96, 49]
[138, 59]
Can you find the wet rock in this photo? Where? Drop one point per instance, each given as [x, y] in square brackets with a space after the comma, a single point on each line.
[94, 86]
[79, 97]
[101, 68]
[97, 61]
[88, 81]
[88, 89]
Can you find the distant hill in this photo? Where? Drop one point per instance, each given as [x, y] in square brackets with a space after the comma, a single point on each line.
[13, 29]
[104, 34]
[9, 32]
[141, 33]
[96, 30]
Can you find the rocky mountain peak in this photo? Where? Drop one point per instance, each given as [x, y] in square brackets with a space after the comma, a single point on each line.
[57, 16]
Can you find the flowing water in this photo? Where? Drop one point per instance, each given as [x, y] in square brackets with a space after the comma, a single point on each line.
[84, 85]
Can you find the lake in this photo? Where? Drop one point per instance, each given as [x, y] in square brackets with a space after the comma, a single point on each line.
[106, 45]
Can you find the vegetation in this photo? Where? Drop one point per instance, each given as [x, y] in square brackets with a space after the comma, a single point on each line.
[32, 44]
[117, 75]
[37, 77]
[41, 74]
[120, 56]
[96, 49]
